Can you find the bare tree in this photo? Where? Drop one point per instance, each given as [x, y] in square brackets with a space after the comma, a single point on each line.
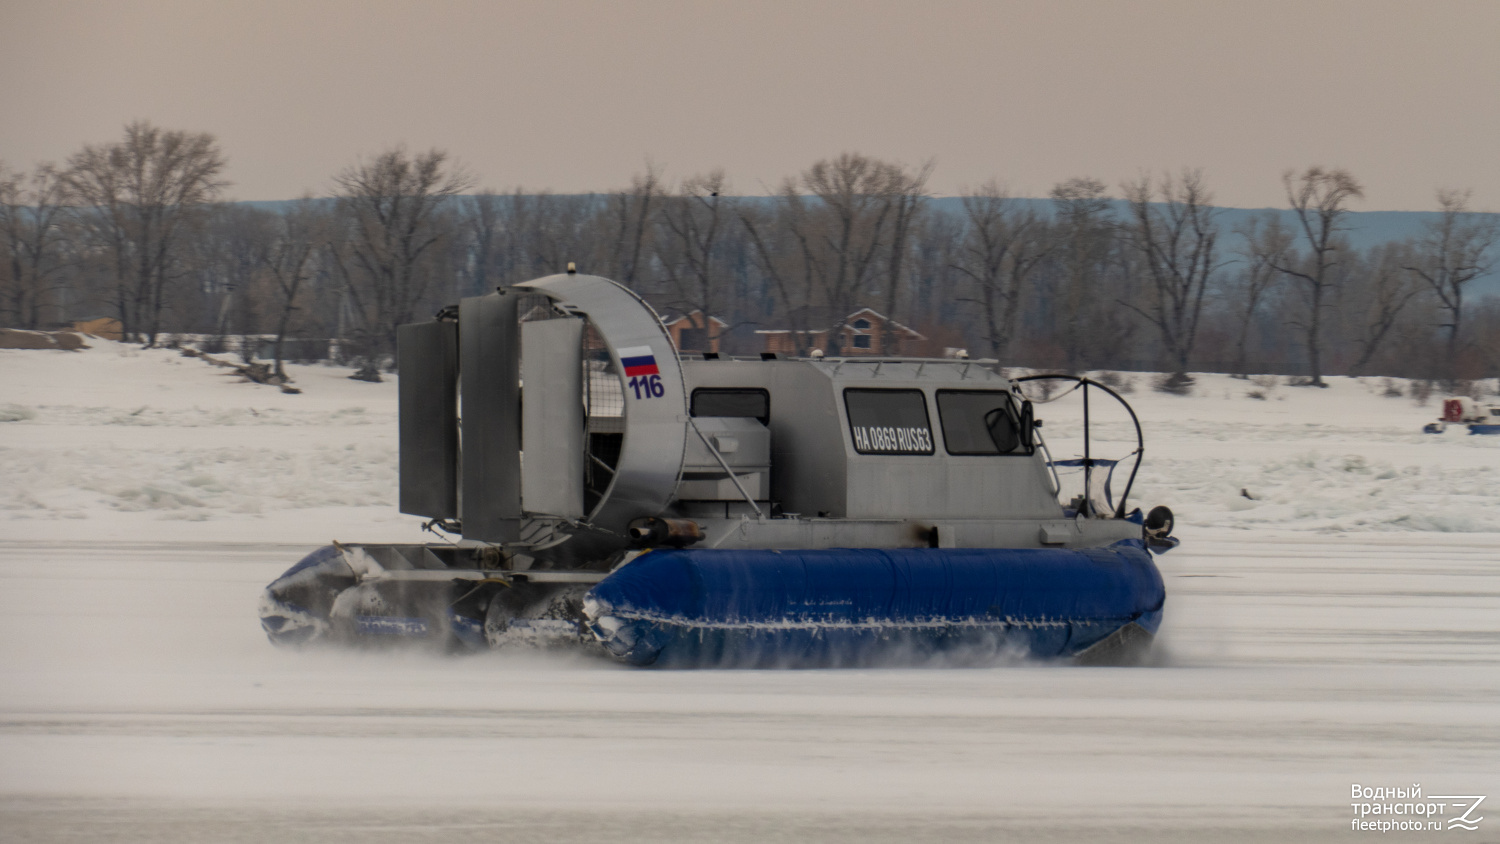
[838, 234]
[780, 258]
[908, 192]
[559, 230]
[1086, 241]
[1383, 291]
[632, 211]
[693, 226]
[222, 257]
[1266, 243]
[1457, 248]
[514, 236]
[1176, 237]
[938, 297]
[392, 210]
[1000, 247]
[138, 197]
[909, 197]
[1486, 321]
[486, 225]
[296, 235]
[33, 233]
[844, 233]
[1320, 200]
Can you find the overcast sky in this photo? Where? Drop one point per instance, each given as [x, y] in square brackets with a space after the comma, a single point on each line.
[576, 96]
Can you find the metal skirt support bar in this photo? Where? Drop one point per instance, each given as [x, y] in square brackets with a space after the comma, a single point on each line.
[725, 465]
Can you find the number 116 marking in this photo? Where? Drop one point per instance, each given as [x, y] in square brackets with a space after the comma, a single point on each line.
[648, 387]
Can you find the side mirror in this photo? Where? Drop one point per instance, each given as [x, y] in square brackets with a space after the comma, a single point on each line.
[1009, 430]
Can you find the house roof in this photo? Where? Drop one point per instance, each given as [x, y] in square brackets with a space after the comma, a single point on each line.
[883, 318]
[680, 317]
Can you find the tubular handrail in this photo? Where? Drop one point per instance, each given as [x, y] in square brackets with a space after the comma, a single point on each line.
[1140, 440]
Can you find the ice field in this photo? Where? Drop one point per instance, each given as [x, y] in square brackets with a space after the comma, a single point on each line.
[1341, 625]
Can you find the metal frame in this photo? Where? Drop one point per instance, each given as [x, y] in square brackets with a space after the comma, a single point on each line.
[1140, 440]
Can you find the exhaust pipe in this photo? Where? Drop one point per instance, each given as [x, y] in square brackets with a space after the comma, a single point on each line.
[652, 531]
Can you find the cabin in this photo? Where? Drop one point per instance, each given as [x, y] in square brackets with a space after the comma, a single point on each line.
[691, 333]
[866, 332]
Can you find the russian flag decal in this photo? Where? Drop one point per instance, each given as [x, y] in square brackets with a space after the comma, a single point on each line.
[638, 360]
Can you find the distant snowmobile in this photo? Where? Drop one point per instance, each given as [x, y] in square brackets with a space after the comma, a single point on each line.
[1463, 410]
[692, 510]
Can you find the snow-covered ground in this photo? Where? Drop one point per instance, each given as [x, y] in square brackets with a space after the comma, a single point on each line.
[1340, 626]
[117, 442]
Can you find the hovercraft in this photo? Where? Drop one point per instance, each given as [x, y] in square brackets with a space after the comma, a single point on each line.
[603, 491]
[1480, 419]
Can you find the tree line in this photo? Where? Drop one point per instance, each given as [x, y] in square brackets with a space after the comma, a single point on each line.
[1146, 278]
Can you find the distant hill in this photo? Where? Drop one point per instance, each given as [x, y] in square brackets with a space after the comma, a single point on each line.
[1365, 228]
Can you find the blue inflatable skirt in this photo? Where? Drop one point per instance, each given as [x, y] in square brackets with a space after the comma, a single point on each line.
[853, 607]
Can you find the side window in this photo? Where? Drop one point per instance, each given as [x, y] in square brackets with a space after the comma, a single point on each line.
[889, 421]
[984, 422]
[715, 401]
